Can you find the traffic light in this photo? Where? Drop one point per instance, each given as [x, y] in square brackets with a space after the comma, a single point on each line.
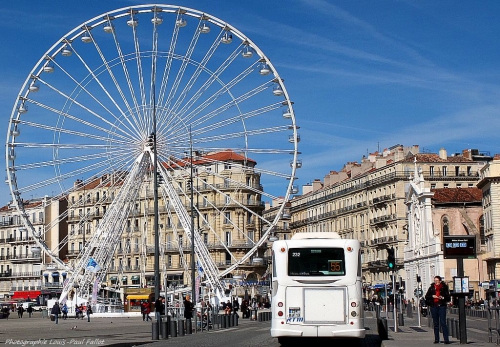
[391, 260]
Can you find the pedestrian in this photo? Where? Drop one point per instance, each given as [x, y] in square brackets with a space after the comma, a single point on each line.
[145, 311]
[29, 310]
[236, 306]
[56, 311]
[229, 308]
[188, 307]
[158, 308]
[437, 297]
[89, 311]
[20, 310]
[65, 311]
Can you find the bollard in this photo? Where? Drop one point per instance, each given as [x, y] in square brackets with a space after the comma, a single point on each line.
[180, 327]
[259, 316]
[229, 320]
[236, 318]
[189, 326]
[173, 328]
[155, 331]
[409, 311]
[401, 321]
[216, 321]
[457, 329]
[223, 321]
[164, 328]
[382, 328]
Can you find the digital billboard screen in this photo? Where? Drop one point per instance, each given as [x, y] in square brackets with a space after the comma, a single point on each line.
[456, 247]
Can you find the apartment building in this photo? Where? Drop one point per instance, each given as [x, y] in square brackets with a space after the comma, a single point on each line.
[25, 271]
[225, 203]
[366, 201]
[489, 184]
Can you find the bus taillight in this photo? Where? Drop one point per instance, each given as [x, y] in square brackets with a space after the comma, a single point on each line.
[280, 304]
[280, 313]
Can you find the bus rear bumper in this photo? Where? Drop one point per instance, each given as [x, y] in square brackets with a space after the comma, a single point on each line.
[315, 331]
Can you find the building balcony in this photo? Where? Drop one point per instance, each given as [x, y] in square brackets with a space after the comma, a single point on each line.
[25, 258]
[383, 240]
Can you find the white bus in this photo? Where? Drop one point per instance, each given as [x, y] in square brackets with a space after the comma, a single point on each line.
[316, 288]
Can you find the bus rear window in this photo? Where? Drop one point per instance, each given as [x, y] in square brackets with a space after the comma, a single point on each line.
[316, 262]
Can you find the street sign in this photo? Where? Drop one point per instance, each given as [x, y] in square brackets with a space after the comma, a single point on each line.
[418, 292]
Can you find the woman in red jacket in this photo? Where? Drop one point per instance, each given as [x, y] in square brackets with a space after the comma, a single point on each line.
[437, 296]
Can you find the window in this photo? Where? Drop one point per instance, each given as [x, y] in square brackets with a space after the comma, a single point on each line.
[446, 185]
[227, 166]
[228, 238]
[445, 226]
[227, 217]
[316, 262]
[481, 230]
[169, 261]
[445, 169]
[433, 185]
[431, 171]
[205, 238]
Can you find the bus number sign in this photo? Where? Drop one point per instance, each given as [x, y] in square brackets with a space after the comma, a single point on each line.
[336, 267]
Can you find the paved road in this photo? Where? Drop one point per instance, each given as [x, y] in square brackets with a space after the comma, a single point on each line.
[123, 332]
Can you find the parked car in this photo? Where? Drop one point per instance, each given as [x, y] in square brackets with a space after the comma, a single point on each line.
[39, 308]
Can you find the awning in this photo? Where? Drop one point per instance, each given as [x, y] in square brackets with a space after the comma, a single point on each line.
[32, 294]
[55, 274]
[46, 275]
[134, 277]
[113, 278]
[124, 278]
[137, 297]
[64, 274]
[378, 286]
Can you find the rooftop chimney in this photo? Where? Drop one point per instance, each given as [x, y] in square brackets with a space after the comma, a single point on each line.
[442, 154]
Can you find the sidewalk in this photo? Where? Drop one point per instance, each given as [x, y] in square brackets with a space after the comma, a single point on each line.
[412, 335]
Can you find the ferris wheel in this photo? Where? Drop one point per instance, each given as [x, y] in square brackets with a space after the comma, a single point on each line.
[206, 94]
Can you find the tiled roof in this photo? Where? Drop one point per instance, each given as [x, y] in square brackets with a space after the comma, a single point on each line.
[222, 156]
[434, 158]
[446, 195]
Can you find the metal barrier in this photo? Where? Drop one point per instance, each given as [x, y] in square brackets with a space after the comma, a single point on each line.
[493, 324]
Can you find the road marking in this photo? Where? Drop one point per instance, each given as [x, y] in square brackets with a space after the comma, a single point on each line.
[477, 330]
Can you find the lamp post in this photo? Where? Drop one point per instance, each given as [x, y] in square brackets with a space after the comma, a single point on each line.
[193, 284]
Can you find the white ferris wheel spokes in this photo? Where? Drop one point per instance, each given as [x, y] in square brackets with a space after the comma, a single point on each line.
[86, 114]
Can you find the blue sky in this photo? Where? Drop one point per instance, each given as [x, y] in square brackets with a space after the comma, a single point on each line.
[363, 74]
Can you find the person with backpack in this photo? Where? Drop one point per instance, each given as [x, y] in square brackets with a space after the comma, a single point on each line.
[65, 312]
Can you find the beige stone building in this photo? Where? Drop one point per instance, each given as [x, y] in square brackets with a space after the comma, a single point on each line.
[366, 201]
[490, 186]
[226, 204]
[25, 271]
